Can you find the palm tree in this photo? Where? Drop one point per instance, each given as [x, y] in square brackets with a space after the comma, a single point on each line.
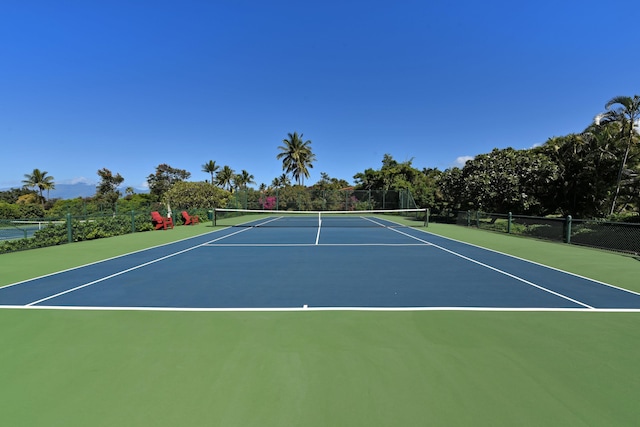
[243, 179]
[211, 168]
[296, 156]
[627, 115]
[225, 178]
[39, 180]
[281, 181]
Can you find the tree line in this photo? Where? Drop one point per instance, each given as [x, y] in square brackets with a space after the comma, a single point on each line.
[590, 174]
[593, 173]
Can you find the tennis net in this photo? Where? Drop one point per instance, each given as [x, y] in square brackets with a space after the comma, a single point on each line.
[274, 218]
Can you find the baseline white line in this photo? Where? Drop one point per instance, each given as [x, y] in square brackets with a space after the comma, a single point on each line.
[317, 309]
[499, 271]
[131, 269]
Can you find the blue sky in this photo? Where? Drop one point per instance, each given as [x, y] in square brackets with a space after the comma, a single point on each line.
[128, 85]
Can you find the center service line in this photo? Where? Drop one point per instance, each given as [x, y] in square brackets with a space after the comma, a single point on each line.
[318, 233]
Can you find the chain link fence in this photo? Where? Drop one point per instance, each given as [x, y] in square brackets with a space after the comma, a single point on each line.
[614, 236]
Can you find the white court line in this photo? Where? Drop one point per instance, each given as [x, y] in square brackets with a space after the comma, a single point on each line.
[319, 227]
[131, 269]
[535, 263]
[326, 309]
[109, 259]
[499, 271]
[276, 245]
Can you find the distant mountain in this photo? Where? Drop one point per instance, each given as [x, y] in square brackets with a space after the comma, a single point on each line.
[71, 191]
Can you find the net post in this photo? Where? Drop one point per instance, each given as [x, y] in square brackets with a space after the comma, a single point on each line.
[426, 217]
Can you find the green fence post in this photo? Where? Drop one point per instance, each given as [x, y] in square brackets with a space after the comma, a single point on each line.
[468, 218]
[509, 223]
[478, 219]
[133, 221]
[69, 228]
[568, 229]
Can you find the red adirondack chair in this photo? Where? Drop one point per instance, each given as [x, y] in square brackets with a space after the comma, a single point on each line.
[161, 222]
[190, 220]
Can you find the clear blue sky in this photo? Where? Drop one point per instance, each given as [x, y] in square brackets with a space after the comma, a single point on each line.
[128, 85]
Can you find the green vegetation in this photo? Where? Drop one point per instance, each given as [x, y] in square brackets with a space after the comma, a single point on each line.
[591, 174]
[81, 230]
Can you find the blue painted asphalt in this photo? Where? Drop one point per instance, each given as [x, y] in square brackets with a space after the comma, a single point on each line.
[284, 267]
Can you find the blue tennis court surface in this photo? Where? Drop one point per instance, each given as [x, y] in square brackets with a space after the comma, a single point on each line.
[317, 267]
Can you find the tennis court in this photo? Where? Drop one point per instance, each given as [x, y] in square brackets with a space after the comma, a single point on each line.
[207, 326]
[22, 229]
[316, 261]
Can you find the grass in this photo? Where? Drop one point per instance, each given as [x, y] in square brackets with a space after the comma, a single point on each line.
[105, 368]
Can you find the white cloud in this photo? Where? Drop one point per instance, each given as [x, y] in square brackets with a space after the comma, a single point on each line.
[460, 161]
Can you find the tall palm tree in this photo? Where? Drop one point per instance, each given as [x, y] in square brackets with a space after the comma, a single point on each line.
[627, 114]
[211, 168]
[39, 180]
[225, 177]
[296, 156]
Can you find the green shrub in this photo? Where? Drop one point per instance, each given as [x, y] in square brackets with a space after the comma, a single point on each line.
[81, 230]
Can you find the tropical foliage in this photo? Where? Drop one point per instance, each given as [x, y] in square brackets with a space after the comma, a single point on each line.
[297, 157]
[225, 178]
[107, 190]
[40, 181]
[188, 195]
[624, 111]
[243, 179]
[211, 168]
[164, 178]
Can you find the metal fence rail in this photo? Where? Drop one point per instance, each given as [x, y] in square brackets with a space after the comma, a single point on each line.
[614, 236]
